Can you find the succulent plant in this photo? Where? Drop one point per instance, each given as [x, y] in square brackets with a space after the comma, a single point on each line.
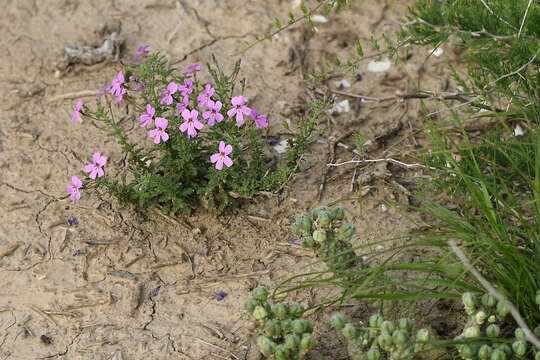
[284, 335]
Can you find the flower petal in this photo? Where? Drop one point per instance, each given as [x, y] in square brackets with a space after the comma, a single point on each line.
[76, 181]
[227, 150]
[164, 136]
[219, 164]
[215, 157]
[231, 112]
[89, 168]
[100, 172]
[221, 146]
[227, 161]
[183, 127]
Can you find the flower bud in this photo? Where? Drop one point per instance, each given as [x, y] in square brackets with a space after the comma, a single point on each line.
[286, 325]
[488, 300]
[471, 332]
[250, 305]
[324, 217]
[304, 222]
[385, 339]
[349, 331]
[498, 354]
[400, 337]
[308, 342]
[422, 335]
[272, 327]
[506, 349]
[493, 330]
[296, 310]
[520, 334]
[375, 321]
[536, 331]
[347, 230]
[480, 317]
[374, 353]
[316, 212]
[307, 241]
[503, 308]
[299, 326]
[467, 351]
[485, 352]
[537, 297]
[338, 321]
[405, 324]
[282, 353]
[468, 299]
[492, 319]
[281, 310]
[338, 213]
[292, 341]
[319, 236]
[387, 327]
[259, 313]
[267, 346]
[295, 228]
[519, 347]
[260, 293]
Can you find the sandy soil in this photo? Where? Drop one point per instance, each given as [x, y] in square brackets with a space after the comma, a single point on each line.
[150, 292]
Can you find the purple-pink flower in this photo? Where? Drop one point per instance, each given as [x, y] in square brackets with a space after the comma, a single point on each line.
[76, 117]
[74, 188]
[186, 88]
[213, 113]
[159, 133]
[182, 105]
[142, 50]
[146, 119]
[238, 108]
[204, 98]
[192, 69]
[117, 88]
[103, 90]
[221, 157]
[191, 123]
[95, 168]
[167, 94]
[260, 120]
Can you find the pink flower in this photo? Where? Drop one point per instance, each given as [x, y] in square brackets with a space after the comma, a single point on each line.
[191, 123]
[221, 157]
[260, 120]
[74, 189]
[192, 69]
[103, 90]
[76, 117]
[95, 168]
[238, 108]
[167, 94]
[159, 132]
[186, 88]
[142, 50]
[117, 88]
[146, 119]
[204, 98]
[213, 113]
[182, 105]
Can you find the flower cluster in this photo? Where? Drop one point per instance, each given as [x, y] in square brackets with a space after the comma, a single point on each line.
[323, 231]
[284, 335]
[381, 337]
[206, 144]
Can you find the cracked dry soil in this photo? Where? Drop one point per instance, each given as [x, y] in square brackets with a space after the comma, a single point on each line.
[133, 284]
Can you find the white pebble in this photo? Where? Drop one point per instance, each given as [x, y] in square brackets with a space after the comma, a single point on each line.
[379, 66]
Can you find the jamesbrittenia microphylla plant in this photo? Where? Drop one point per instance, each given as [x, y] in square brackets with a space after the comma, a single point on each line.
[204, 143]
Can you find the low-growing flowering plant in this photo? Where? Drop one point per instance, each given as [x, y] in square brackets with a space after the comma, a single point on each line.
[191, 152]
